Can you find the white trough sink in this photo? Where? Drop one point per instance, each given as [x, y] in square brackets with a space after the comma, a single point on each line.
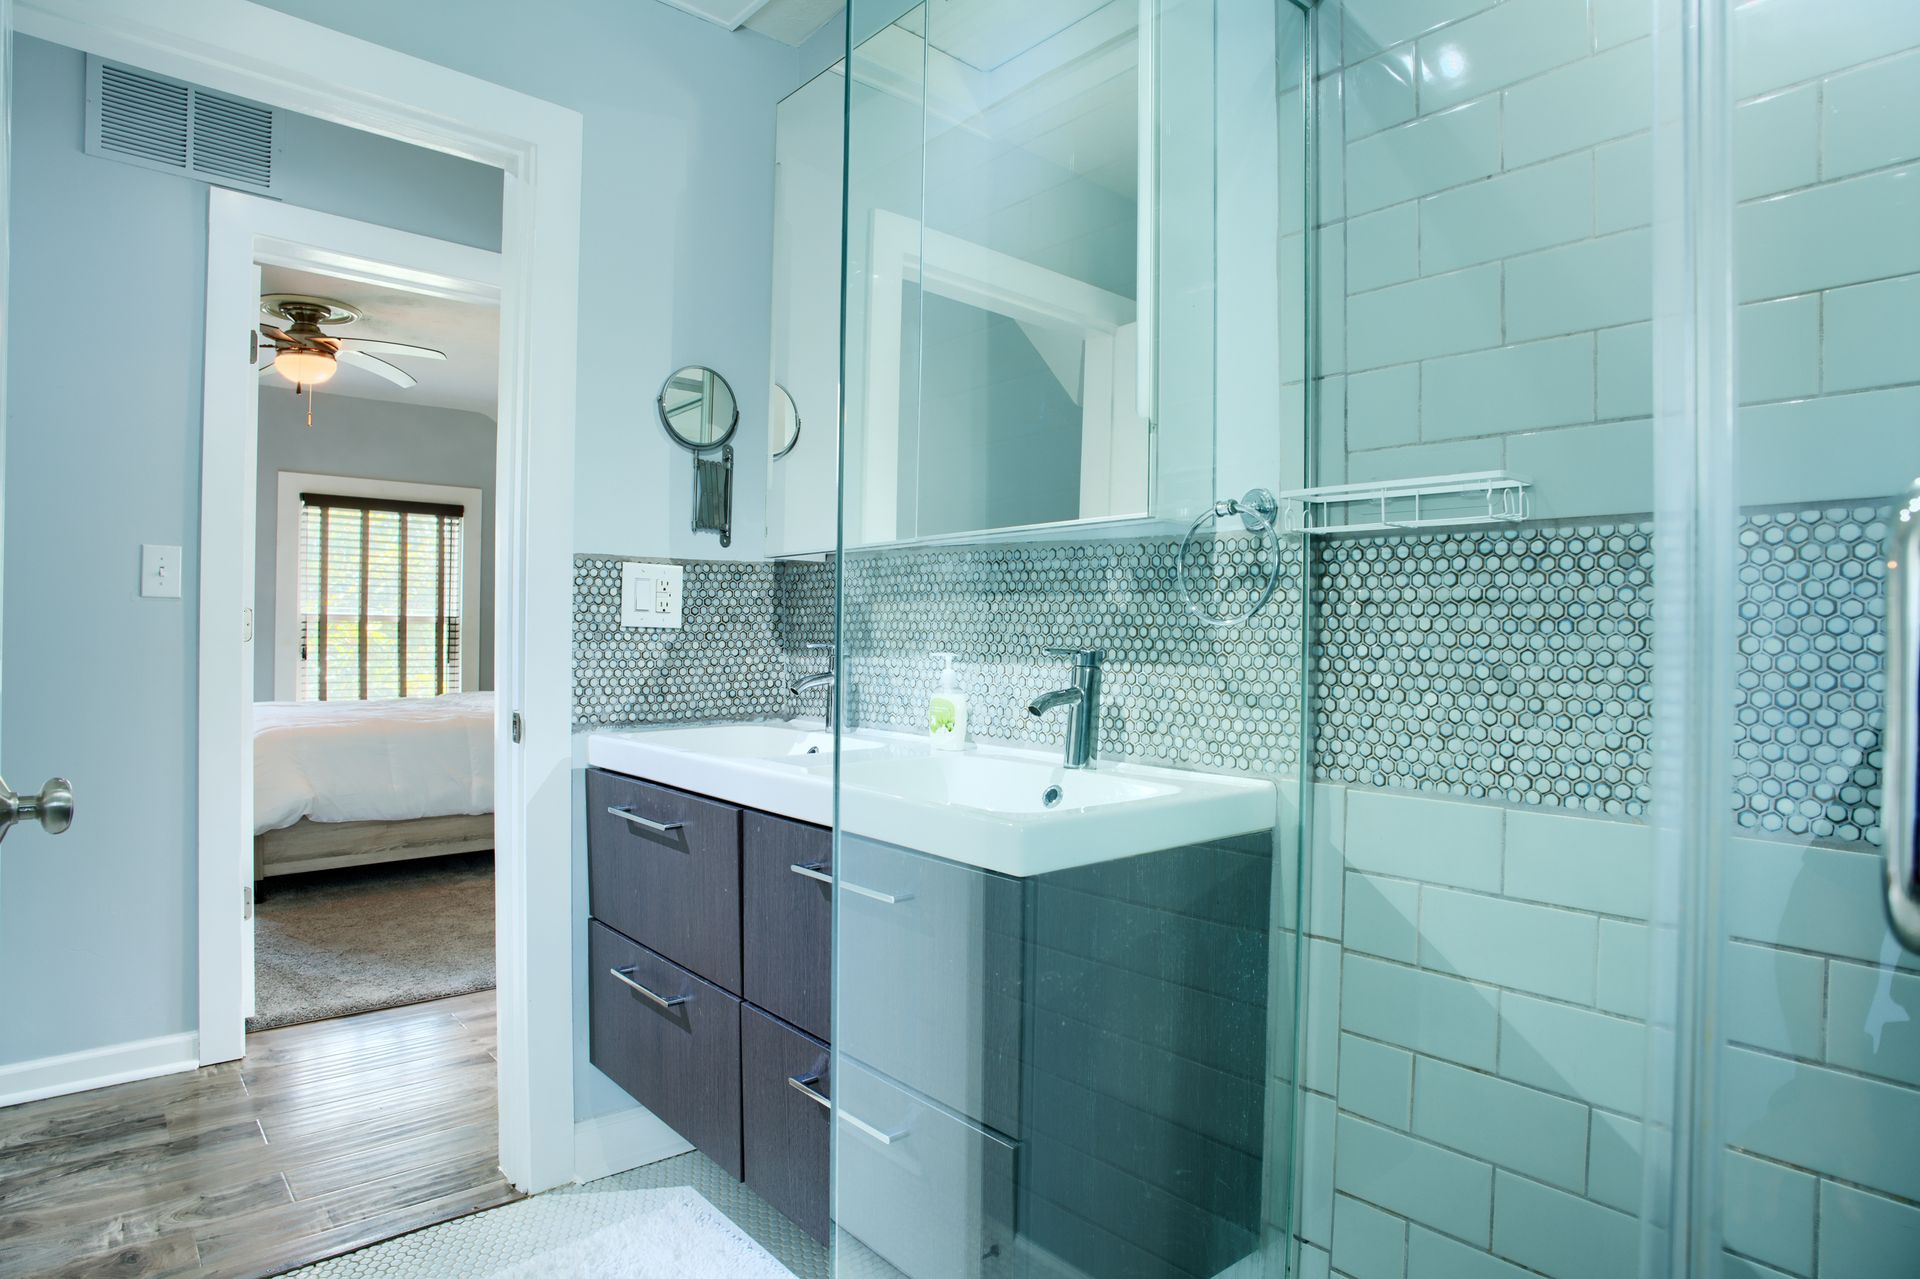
[1000, 808]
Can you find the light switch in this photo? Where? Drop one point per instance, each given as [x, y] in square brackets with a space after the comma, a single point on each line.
[160, 571]
[650, 595]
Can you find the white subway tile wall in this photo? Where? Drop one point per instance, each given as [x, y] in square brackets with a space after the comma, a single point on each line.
[1478, 976]
[1490, 211]
[1475, 1051]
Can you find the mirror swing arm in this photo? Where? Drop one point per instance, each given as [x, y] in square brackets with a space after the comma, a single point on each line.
[713, 495]
[710, 400]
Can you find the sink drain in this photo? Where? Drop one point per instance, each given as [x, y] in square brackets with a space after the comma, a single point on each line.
[1051, 797]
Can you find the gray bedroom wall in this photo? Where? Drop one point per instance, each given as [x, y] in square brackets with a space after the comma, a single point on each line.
[103, 443]
[369, 440]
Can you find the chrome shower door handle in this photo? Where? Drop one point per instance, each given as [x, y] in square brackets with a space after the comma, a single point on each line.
[1900, 807]
[52, 807]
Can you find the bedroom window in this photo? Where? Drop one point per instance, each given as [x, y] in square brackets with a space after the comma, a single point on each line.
[380, 598]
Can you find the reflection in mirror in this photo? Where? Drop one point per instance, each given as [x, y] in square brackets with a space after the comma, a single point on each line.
[803, 515]
[783, 423]
[697, 408]
[993, 348]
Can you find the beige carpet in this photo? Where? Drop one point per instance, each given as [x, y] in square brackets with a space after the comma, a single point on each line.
[336, 942]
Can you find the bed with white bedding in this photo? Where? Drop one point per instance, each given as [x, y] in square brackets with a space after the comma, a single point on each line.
[349, 783]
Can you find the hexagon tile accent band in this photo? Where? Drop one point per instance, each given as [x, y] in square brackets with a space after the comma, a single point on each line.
[1510, 664]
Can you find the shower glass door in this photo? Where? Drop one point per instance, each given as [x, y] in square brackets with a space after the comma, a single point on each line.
[1064, 995]
[1818, 1002]
[1479, 1067]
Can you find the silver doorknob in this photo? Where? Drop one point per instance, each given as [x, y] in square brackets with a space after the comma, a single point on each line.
[52, 807]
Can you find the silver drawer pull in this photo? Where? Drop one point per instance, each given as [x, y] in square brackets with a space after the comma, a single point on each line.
[665, 1001]
[885, 899]
[884, 1138]
[821, 872]
[627, 814]
[804, 1085]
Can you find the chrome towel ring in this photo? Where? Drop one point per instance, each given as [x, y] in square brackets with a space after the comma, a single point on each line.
[1257, 509]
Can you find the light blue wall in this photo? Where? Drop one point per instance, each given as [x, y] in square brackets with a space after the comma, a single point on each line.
[676, 244]
[375, 179]
[103, 444]
[676, 250]
[373, 440]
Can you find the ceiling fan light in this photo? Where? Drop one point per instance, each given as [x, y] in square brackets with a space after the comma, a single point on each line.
[304, 368]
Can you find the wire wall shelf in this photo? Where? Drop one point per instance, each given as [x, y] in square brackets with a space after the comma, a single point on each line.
[1427, 501]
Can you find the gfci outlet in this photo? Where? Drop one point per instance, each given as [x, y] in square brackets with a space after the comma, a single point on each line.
[650, 595]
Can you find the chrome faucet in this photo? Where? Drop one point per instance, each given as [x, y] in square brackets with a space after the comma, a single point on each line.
[1082, 701]
[824, 679]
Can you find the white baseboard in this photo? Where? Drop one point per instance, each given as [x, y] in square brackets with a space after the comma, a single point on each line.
[98, 1068]
[625, 1139]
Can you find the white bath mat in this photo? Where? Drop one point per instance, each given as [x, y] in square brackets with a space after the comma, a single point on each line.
[678, 1236]
[597, 1231]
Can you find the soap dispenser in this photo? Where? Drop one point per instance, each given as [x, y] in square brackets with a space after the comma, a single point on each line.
[947, 711]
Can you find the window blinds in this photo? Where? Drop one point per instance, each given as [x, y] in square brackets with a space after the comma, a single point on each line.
[380, 598]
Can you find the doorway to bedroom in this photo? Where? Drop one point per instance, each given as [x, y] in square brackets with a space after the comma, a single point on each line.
[373, 715]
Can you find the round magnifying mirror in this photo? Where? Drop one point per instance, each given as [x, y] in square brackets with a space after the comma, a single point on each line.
[784, 428]
[698, 409]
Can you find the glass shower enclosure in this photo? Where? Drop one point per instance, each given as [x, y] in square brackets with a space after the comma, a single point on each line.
[1063, 1026]
[1483, 869]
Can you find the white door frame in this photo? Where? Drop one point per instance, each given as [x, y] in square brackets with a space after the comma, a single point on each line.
[269, 57]
[245, 233]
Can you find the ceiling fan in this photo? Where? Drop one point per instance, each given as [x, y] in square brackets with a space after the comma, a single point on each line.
[306, 355]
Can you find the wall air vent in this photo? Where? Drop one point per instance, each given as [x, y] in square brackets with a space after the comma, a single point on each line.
[161, 123]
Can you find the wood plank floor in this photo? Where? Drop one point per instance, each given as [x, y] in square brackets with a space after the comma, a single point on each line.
[327, 1137]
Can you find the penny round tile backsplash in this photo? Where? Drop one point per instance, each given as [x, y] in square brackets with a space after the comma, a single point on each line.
[1512, 664]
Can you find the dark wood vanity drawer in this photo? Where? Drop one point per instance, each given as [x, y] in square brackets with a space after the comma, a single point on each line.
[663, 867]
[786, 1134]
[682, 1060]
[787, 920]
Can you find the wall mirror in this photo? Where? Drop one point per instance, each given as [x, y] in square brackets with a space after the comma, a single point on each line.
[699, 413]
[803, 485]
[999, 269]
[698, 409]
[783, 423]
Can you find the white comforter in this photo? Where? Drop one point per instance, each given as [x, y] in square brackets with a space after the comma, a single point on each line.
[387, 760]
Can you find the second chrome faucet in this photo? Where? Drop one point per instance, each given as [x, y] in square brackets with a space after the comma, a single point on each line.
[1082, 701]
[821, 679]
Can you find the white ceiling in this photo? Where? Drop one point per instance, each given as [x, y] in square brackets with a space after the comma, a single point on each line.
[788, 21]
[794, 21]
[468, 379]
[1066, 94]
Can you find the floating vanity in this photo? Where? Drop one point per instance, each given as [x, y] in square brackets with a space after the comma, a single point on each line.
[1049, 1036]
